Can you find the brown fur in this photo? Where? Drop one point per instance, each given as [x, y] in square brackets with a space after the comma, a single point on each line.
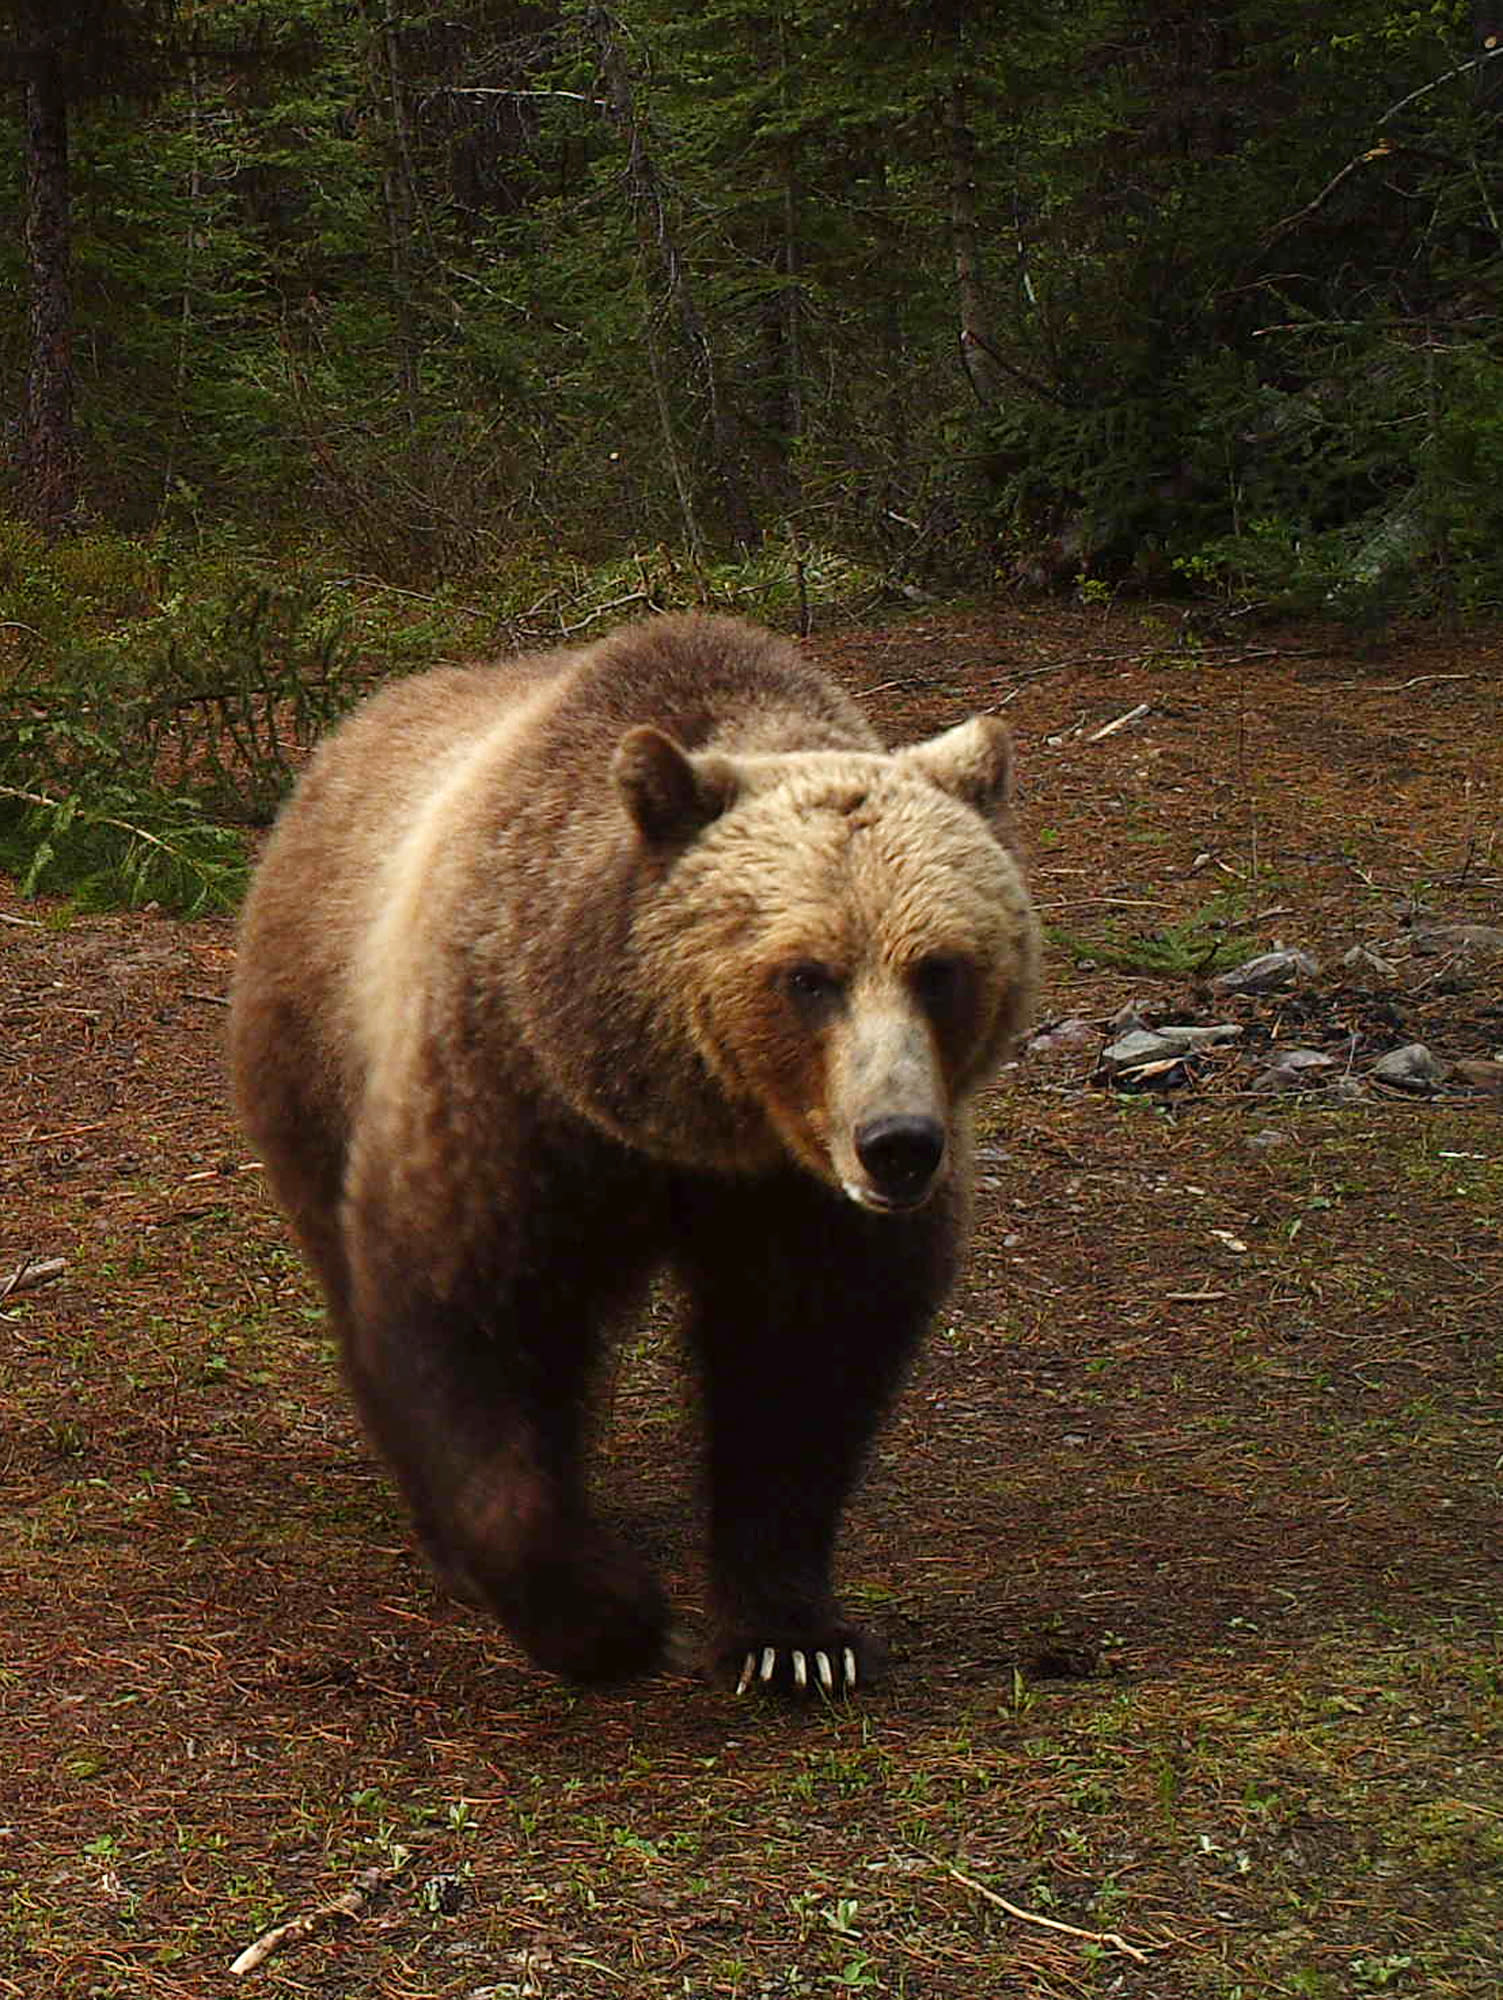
[554, 970]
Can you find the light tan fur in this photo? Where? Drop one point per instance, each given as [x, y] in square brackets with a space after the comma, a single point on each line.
[642, 954]
[405, 881]
[866, 866]
[388, 905]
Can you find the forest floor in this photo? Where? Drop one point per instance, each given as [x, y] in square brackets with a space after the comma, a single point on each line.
[1186, 1536]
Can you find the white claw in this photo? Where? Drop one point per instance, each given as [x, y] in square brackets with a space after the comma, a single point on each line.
[748, 1668]
[848, 1661]
[769, 1661]
[826, 1676]
[800, 1672]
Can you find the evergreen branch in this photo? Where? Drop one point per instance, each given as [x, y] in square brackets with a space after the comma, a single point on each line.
[1477, 62]
[1382, 151]
[475, 90]
[211, 876]
[46, 804]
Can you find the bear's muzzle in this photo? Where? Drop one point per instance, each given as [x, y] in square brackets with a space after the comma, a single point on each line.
[902, 1157]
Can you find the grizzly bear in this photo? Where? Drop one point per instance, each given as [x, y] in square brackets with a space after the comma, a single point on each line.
[634, 958]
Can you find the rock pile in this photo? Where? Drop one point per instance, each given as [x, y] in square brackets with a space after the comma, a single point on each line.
[1134, 1052]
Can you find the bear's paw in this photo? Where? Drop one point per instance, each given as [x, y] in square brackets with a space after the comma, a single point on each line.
[574, 1597]
[832, 1667]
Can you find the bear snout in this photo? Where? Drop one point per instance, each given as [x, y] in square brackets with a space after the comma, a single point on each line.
[901, 1156]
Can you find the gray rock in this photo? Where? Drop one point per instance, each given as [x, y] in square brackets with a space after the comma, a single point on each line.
[1295, 1069]
[1347, 1090]
[1302, 1059]
[1268, 973]
[1063, 1037]
[1266, 1140]
[1270, 1080]
[1126, 1019]
[1432, 939]
[1141, 1046]
[1360, 959]
[1147, 1045]
[1410, 1068]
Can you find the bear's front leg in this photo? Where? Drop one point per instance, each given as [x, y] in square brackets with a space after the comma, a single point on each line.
[473, 1372]
[805, 1313]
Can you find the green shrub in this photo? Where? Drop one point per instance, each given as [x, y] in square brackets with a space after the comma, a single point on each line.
[124, 843]
[139, 711]
[150, 700]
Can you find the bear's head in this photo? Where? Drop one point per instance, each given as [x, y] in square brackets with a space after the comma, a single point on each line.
[844, 938]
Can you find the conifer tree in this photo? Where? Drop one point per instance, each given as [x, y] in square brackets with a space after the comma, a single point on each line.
[58, 57]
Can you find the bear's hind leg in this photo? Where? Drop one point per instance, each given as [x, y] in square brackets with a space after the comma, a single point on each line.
[479, 1398]
[805, 1312]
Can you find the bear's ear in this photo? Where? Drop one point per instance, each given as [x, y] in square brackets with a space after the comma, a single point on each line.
[671, 795]
[972, 762]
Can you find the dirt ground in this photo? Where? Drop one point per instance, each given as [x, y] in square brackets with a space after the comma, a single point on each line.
[1186, 1537]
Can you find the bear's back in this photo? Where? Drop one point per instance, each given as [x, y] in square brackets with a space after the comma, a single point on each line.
[326, 874]
[703, 680]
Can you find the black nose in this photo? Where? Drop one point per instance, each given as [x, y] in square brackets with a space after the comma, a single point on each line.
[902, 1156]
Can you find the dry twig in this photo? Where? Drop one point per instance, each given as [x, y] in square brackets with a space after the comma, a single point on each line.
[355, 1901]
[31, 1272]
[1120, 722]
[1111, 1938]
[886, 687]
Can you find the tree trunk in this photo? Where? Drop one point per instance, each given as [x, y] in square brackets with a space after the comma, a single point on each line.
[663, 403]
[897, 372]
[645, 192]
[790, 303]
[398, 187]
[977, 347]
[411, 531]
[195, 233]
[49, 456]
[780, 397]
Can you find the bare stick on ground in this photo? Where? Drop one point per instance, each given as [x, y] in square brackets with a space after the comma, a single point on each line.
[355, 1901]
[31, 1272]
[1111, 1938]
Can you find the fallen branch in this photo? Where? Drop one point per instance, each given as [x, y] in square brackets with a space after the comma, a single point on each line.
[31, 1272]
[1379, 152]
[1111, 902]
[886, 687]
[1235, 656]
[616, 604]
[1116, 1942]
[1489, 54]
[474, 90]
[353, 1903]
[1121, 722]
[41, 799]
[1400, 687]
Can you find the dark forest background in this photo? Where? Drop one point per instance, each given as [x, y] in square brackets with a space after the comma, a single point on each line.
[1171, 292]
[777, 297]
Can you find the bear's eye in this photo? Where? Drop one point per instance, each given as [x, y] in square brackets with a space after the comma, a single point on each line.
[810, 984]
[941, 983]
